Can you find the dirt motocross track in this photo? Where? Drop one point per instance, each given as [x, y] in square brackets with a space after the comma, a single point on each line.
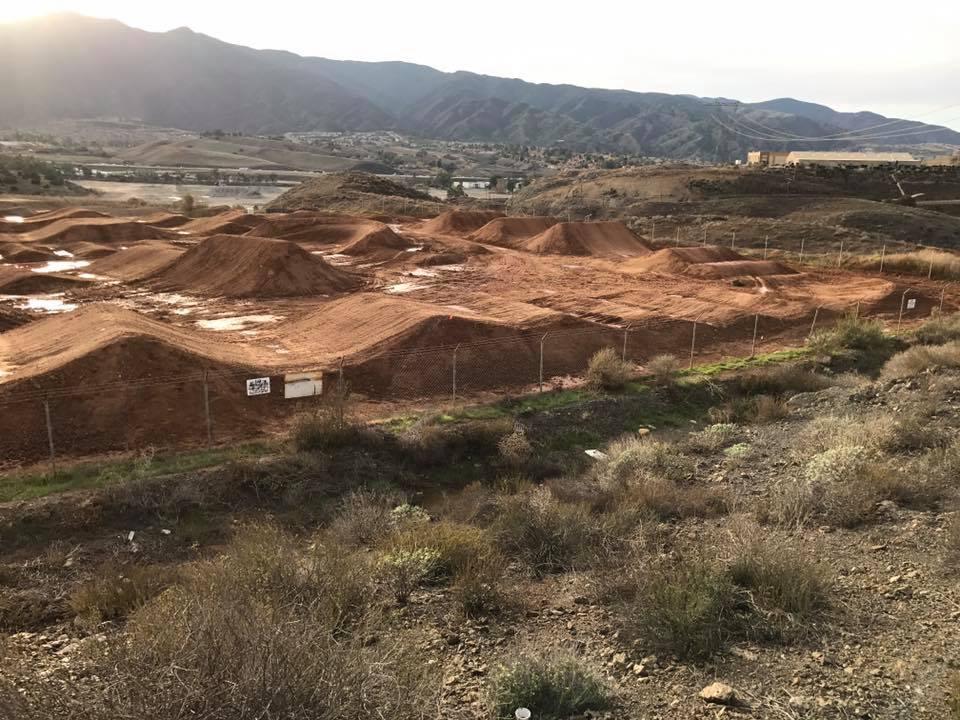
[182, 311]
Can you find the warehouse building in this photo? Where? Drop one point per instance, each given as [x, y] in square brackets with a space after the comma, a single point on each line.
[808, 158]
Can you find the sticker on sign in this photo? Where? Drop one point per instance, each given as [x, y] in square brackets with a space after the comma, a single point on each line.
[258, 386]
[911, 303]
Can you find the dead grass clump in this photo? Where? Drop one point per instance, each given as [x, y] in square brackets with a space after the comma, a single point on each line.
[364, 518]
[632, 458]
[515, 449]
[920, 359]
[778, 380]
[477, 588]
[607, 371]
[939, 330]
[664, 369]
[666, 500]
[550, 687]
[713, 438]
[455, 546]
[115, 592]
[430, 441]
[850, 334]
[953, 541]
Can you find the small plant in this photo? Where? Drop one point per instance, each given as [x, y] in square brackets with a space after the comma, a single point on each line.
[738, 451]
[476, 587]
[920, 359]
[953, 698]
[713, 437]
[851, 333]
[117, 591]
[551, 688]
[406, 514]
[406, 570]
[664, 369]
[607, 371]
[515, 449]
[939, 330]
[364, 518]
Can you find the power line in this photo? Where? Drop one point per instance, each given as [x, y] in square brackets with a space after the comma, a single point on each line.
[754, 136]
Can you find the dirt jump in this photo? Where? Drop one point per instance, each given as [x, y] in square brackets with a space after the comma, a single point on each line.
[102, 230]
[250, 266]
[137, 262]
[318, 229]
[587, 238]
[16, 281]
[512, 231]
[709, 262]
[459, 222]
[14, 252]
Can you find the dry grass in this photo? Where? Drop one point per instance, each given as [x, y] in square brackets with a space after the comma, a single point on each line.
[939, 330]
[953, 698]
[364, 518]
[607, 371]
[515, 449]
[945, 265]
[115, 591]
[551, 686]
[953, 541]
[663, 369]
[920, 359]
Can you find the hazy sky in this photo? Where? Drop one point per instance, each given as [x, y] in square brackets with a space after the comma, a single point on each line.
[890, 57]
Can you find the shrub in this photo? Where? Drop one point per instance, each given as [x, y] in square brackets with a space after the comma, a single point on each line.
[682, 607]
[920, 359]
[779, 380]
[788, 590]
[328, 429]
[116, 592]
[548, 535]
[666, 500]
[632, 458]
[406, 569]
[477, 589]
[939, 330]
[953, 699]
[456, 546]
[769, 409]
[850, 333]
[607, 371]
[713, 438]
[551, 688]
[364, 518]
[429, 441]
[664, 369]
[515, 449]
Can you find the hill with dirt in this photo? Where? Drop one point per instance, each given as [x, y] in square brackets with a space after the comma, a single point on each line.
[137, 262]
[459, 222]
[512, 231]
[587, 238]
[250, 266]
[339, 191]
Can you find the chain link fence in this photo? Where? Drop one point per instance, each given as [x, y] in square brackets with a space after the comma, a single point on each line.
[217, 406]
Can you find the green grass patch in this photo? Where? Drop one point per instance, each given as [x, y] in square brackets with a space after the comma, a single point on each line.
[36, 483]
[732, 364]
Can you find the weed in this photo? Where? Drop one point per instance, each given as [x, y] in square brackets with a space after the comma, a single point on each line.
[664, 369]
[953, 699]
[515, 449]
[607, 371]
[365, 517]
[116, 592]
[406, 570]
[552, 688]
[939, 330]
[477, 588]
[920, 359]
[455, 546]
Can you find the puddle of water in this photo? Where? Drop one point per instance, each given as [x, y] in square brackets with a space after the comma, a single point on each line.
[334, 258]
[405, 287]
[63, 253]
[422, 272]
[394, 227]
[61, 266]
[45, 303]
[418, 248]
[237, 323]
[175, 299]
[451, 268]
[13, 218]
[183, 232]
[183, 311]
[124, 247]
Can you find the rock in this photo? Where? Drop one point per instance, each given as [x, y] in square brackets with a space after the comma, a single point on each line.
[719, 693]
[619, 658]
[643, 432]
[641, 670]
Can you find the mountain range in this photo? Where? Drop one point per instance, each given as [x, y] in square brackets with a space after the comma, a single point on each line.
[71, 66]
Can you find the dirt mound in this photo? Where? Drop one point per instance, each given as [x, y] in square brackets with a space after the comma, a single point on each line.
[89, 250]
[679, 260]
[232, 222]
[512, 231]
[739, 268]
[377, 244]
[250, 266]
[456, 222]
[39, 220]
[351, 189]
[587, 238]
[137, 262]
[164, 219]
[16, 281]
[103, 230]
[14, 252]
[318, 229]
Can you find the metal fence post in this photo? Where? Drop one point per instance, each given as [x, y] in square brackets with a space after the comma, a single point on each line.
[704, 236]
[733, 239]
[803, 241]
[883, 256]
[903, 299]
[813, 325]
[626, 332]
[766, 242]
[541, 360]
[753, 345]
[840, 256]
[53, 452]
[455, 350]
[930, 270]
[943, 290]
[693, 339]
[678, 236]
[206, 409]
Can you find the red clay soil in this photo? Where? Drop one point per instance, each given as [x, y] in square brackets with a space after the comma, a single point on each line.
[232, 222]
[249, 266]
[380, 244]
[137, 262]
[709, 261]
[11, 317]
[459, 222]
[13, 252]
[739, 268]
[89, 250]
[107, 231]
[512, 231]
[17, 281]
[587, 238]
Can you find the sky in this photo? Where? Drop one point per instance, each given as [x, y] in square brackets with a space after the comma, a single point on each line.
[888, 57]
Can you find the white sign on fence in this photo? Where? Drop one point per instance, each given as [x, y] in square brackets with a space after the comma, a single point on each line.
[911, 303]
[299, 385]
[258, 386]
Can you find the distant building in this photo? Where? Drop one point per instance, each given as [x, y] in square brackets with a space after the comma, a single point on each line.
[808, 158]
[944, 160]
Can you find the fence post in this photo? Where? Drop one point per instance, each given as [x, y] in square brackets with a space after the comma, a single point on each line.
[206, 409]
[704, 236]
[943, 290]
[753, 345]
[766, 242]
[678, 236]
[653, 231]
[733, 239]
[455, 350]
[803, 241]
[693, 339]
[903, 299]
[541, 360]
[626, 332]
[883, 256]
[856, 311]
[930, 271]
[813, 325]
[840, 256]
[53, 452]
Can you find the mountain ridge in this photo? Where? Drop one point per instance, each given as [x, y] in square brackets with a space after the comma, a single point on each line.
[185, 79]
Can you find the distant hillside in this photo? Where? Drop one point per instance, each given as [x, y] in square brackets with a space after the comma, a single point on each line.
[69, 66]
